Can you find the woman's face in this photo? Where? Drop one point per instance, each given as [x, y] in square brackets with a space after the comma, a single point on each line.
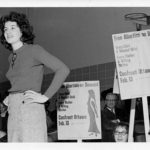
[12, 32]
[120, 134]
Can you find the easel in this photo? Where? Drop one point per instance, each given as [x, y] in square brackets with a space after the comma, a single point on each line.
[145, 110]
[146, 119]
[139, 19]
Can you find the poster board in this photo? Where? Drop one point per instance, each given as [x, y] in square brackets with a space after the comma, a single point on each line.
[132, 52]
[78, 115]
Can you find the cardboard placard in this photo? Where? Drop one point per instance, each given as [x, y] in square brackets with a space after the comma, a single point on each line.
[132, 52]
[78, 115]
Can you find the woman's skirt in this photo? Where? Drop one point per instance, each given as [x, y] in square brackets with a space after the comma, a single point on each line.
[26, 122]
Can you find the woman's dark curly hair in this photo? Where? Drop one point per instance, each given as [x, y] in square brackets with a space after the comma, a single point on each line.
[23, 24]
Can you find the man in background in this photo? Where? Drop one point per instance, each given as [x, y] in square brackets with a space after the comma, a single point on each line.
[111, 116]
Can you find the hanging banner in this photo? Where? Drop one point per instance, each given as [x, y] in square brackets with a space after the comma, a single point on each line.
[78, 114]
[132, 52]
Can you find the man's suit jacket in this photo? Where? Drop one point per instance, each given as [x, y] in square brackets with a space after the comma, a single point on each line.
[108, 125]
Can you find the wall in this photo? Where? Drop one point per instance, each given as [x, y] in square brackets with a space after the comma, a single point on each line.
[102, 72]
[79, 36]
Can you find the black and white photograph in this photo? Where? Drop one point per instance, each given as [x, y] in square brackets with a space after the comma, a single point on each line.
[75, 73]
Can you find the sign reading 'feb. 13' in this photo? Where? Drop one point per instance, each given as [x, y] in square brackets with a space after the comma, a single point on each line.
[132, 55]
[78, 115]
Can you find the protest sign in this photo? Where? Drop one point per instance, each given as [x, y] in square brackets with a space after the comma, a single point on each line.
[132, 52]
[78, 114]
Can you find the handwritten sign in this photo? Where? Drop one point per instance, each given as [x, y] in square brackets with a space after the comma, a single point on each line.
[132, 55]
[78, 115]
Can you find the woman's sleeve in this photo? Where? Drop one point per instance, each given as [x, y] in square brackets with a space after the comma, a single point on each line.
[56, 65]
[50, 61]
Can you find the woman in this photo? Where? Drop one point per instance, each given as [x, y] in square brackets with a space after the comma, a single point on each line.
[27, 117]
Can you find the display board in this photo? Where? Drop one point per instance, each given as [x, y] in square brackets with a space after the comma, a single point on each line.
[132, 52]
[78, 114]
